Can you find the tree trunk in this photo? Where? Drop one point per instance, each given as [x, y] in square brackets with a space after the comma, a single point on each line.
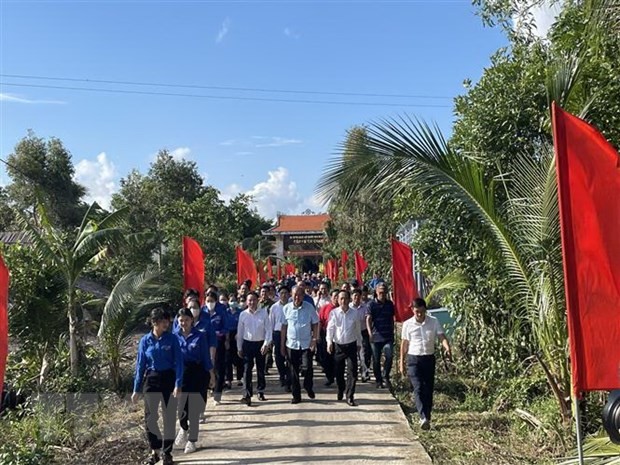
[74, 354]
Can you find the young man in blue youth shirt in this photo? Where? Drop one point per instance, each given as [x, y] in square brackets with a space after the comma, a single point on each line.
[218, 315]
[159, 374]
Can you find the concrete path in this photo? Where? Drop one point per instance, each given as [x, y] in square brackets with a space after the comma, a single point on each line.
[319, 431]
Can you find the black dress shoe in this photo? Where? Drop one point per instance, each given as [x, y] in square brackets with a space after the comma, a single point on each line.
[340, 396]
[295, 401]
[246, 400]
[261, 396]
[329, 383]
[351, 403]
[311, 394]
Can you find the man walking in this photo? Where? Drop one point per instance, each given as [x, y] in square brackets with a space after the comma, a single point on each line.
[344, 339]
[365, 356]
[380, 325]
[276, 315]
[253, 339]
[325, 358]
[299, 335]
[418, 345]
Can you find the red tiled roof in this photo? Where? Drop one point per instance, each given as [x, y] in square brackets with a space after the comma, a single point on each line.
[292, 223]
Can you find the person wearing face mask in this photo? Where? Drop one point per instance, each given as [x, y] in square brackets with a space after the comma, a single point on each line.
[159, 375]
[198, 349]
[217, 313]
[233, 362]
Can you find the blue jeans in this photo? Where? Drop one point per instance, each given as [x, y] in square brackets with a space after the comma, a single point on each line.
[378, 348]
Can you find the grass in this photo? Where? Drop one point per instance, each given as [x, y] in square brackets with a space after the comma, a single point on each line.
[472, 426]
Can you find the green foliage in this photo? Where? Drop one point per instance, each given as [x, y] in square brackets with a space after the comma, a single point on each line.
[37, 312]
[42, 172]
[172, 201]
[364, 223]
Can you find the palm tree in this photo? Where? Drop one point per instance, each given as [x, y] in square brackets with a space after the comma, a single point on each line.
[74, 255]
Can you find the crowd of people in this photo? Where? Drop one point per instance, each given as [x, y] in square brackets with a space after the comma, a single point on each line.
[231, 338]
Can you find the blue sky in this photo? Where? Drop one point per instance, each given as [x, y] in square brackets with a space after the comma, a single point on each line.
[273, 150]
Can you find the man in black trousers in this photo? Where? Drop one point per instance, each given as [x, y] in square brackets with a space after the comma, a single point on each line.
[344, 340]
[418, 346]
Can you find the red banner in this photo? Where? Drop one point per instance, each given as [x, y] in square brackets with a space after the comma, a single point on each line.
[4, 320]
[588, 187]
[246, 268]
[403, 283]
[269, 268]
[360, 266]
[262, 276]
[289, 269]
[344, 257]
[193, 266]
[279, 269]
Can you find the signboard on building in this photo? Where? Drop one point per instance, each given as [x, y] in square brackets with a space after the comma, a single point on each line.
[303, 244]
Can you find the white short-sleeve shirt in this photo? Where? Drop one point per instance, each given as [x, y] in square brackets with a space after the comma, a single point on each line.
[421, 336]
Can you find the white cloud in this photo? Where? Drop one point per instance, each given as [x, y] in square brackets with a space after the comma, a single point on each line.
[223, 32]
[288, 32]
[277, 194]
[180, 153]
[275, 141]
[99, 179]
[228, 142]
[17, 99]
[244, 153]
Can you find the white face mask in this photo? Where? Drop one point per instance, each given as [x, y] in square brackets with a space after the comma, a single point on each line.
[195, 312]
[210, 305]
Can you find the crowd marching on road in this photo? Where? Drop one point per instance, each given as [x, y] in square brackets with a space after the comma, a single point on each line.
[292, 323]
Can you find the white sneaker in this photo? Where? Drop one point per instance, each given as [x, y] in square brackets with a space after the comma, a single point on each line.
[217, 402]
[425, 424]
[190, 447]
[181, 438]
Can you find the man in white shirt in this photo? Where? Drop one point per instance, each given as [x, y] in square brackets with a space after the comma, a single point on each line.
[276, 316]
[299, 336]
[344, 340]
[254, 333]
[365, 355]
[418, 345]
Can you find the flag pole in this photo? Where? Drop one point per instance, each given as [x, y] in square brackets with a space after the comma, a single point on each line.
[576, 403]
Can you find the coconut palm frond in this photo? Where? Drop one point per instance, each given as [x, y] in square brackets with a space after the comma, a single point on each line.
[598, 450]
[126, 296]
[416, 156]
[451, 282]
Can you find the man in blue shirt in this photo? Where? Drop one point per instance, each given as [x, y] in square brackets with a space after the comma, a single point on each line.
[299, 334]
[218, 316]
[380, 325]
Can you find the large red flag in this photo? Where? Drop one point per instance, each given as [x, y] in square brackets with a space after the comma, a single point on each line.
[4, 320]
[403, 283]
[344, 257]
[193, 266]
[360, 267]
[588, 190]
[246, 268]
[279, 269]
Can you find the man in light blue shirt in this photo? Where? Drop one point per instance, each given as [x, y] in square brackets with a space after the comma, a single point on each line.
[299, 334]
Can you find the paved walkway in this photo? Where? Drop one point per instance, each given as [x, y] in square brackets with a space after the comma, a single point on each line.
[319, 431]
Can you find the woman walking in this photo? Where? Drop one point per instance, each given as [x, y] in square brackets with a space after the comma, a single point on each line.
[159, 375]
[198, 348]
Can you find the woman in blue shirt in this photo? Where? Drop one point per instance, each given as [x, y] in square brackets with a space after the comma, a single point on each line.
[198, 348]
[159, 375]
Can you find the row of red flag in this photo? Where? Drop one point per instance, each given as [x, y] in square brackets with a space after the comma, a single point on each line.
[335, 268]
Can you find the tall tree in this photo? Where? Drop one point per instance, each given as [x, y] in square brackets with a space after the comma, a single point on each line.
[42, 172]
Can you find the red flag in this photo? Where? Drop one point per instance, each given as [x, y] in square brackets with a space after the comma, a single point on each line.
[588, 189]
[289, 268]
[262, 276]
[403, 282]
[4, 320]
[246, 268]
[360, 267]
[269, 268]
[193, 266]
[279, 269]
[344, 257]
